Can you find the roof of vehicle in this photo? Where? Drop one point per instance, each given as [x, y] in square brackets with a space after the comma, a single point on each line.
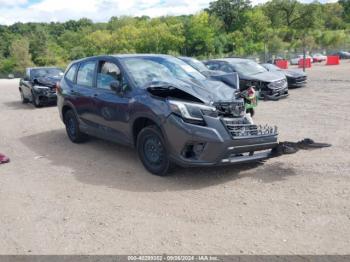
[232, 60]
[42, 67]
[121, 56]
[187, 58]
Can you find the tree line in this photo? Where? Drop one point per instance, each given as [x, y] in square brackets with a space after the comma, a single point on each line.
[226, 27]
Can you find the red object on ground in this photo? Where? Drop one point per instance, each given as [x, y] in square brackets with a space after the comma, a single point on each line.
[283, 64]
[333, 60]
[4, 159]
[306, 62]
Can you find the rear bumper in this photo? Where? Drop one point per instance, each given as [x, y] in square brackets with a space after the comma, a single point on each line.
[212, 145]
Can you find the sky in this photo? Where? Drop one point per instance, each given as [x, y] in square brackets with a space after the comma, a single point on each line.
[12, 11]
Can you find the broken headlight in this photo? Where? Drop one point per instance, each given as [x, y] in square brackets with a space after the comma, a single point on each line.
[192, 112]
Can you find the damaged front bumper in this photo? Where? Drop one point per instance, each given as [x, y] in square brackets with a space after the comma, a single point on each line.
[273, 94]
[220, 142]
[45, 94]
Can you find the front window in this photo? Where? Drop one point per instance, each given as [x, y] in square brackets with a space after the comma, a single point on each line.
[107, 73]
[50, 72]
[249, 68]
[148, 69]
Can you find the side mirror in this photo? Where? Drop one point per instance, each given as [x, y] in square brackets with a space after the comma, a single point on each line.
[116, 86]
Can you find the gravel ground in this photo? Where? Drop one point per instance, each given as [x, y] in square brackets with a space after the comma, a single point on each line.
[96, 198]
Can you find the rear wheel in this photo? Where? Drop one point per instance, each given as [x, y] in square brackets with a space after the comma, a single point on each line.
[152, 151]
[23, 99]
[72, 128]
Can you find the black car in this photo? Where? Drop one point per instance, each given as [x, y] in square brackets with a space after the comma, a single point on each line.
[39, 85]
[294, 78]
[270, 85]
[167, 110]
[342, 54]
[230, 79]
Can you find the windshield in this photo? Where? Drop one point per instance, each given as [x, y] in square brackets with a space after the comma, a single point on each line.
[249, 68]
[42, 72]
[196, 64]
[153, 68]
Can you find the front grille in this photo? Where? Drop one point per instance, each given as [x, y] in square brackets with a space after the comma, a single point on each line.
[300, 79]
[240, 129]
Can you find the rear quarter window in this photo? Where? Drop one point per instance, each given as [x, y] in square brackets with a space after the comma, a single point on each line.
[85, 74]
[70, 75]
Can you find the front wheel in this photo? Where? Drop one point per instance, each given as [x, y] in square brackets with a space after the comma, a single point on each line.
[36, 100]
[152, 151]
[72, 128]
[23, 99]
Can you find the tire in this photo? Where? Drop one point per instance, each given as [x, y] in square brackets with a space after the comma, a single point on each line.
[35, 100]
[23, 99]
[152, 151]
[72, 128]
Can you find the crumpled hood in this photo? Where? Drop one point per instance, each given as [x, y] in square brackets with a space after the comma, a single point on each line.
[267, 76]
[230, 79]
[208, 91]
[49, 81]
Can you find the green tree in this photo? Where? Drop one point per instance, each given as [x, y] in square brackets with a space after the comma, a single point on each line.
[200, 35]
[231, 12]
[19, 51]
[346, 9]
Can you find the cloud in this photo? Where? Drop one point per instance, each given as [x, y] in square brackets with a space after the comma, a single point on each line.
[12, 2]
[98, 10]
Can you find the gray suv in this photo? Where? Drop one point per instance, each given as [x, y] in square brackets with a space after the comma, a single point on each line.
[160, 105]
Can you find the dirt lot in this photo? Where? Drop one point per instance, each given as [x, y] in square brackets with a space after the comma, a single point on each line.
[96, 198]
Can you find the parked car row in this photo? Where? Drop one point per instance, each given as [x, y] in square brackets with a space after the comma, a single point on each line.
[172, 110]
[315, 58]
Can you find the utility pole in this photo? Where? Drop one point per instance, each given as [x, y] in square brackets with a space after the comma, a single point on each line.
[304, 51]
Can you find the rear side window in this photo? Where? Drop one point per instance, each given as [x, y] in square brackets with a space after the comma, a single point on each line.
[85, 75]
[71, 73]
